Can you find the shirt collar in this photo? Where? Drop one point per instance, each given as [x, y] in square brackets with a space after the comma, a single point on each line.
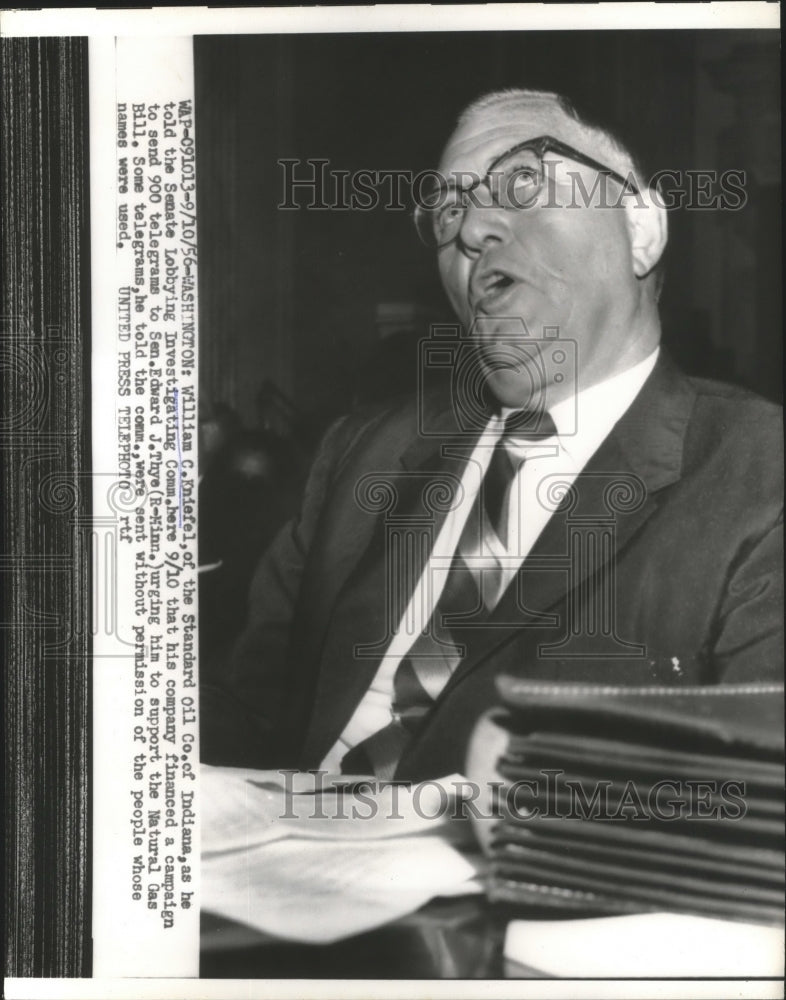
[584, 419]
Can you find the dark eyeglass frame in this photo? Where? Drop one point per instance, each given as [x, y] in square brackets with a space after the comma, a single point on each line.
[541, 145]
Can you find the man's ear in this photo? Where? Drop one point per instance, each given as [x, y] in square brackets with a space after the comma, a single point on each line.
[648, 230]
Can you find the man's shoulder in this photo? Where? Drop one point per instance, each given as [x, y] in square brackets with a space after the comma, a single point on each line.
[728, 394]
[399, 410]
[735, 436]
[737, 413]
[386, 428]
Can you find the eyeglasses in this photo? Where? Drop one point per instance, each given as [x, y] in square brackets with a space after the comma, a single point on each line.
[514, 181]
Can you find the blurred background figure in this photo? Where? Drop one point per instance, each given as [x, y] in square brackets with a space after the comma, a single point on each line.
[249, 481]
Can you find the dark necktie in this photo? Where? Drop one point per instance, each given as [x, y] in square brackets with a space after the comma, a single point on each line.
[523, 425]
[421, 676]
[439, 649]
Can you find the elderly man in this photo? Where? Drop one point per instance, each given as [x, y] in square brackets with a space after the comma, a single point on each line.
[570, 507]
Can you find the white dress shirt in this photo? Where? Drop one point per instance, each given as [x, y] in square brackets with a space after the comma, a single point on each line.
[583, 421]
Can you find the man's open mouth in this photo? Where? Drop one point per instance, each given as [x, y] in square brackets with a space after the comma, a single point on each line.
[489, 287]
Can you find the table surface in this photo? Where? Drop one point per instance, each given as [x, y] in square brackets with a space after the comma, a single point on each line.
[459, 938]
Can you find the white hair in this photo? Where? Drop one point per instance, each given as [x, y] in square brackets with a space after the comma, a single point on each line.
[513, 95]
[518, 96]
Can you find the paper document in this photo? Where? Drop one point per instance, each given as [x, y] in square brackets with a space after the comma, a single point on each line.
[649, 945]
[317, 866]
[318, 891]
[245, 807]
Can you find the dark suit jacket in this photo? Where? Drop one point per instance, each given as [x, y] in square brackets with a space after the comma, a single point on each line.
[663, 566]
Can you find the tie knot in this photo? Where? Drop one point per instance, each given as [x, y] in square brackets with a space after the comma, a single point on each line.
[529, 425]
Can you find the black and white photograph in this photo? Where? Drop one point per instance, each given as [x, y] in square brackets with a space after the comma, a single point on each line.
[393, 456]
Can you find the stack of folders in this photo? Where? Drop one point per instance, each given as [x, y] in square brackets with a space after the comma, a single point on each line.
[620, 800]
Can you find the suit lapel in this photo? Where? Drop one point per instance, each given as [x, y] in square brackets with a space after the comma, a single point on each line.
[379, 571]
[620, 483]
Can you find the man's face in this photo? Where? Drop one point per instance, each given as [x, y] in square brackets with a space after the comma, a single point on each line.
[548, 265]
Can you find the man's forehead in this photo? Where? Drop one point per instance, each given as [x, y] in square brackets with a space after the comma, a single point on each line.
[492, 131]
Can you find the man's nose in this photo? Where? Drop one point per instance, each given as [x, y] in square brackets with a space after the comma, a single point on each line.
[484, 222]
